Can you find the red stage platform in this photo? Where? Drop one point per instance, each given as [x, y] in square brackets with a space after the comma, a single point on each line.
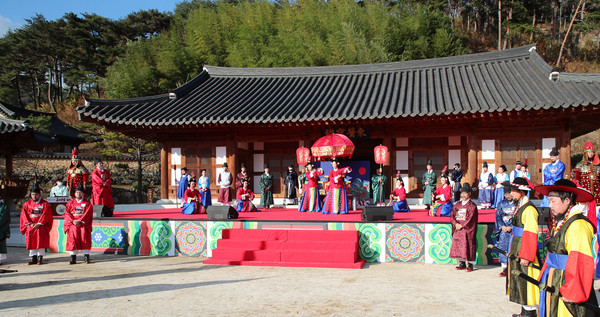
[293, 215]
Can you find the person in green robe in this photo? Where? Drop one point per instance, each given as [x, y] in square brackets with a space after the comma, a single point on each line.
[266, 188]
[429, 180]
[4, 229]
[378, 185]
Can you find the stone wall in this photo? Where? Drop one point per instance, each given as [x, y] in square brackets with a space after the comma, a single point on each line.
[44, 169]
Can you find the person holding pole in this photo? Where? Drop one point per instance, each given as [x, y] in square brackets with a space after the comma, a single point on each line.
[378, 185]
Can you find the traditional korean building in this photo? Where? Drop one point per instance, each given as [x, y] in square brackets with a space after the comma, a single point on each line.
[59, 137]
[496, 107]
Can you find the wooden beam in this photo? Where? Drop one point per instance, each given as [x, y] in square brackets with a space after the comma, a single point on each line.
[164, 173]
[471, 175]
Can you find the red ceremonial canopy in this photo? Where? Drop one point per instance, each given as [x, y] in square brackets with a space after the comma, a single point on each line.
[332, 146]
[302, 155]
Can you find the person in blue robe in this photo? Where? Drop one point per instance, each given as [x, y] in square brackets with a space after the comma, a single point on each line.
[204, 185]
[486, 186]
[184, 181]
[500, 178]
[505, 210]
[552, 172]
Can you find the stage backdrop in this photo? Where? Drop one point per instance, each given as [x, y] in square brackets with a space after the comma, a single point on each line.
[359, 178]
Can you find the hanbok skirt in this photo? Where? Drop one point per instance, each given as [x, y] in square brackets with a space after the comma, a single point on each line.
[206, 199]
[246, 206]
[498, 196]
[441, 209]
[193, 208]
[311, 200]
[181, 191]
[399, 206]
[336, 201]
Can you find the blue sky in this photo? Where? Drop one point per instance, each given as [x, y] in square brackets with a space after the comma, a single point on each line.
[14, 12]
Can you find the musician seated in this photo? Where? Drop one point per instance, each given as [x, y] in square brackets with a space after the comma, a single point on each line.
[192, 200]
[244, 197]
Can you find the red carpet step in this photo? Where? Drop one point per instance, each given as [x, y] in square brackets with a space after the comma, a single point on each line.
[291, 248]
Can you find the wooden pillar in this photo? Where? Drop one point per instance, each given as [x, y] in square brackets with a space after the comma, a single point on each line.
[471, 176]
[387, 167]
[232, 150]
[539, 162]
[565, 151]
[164, 173]
[9, 165]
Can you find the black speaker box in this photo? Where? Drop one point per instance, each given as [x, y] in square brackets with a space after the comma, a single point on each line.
[377, 213]
[221, 212]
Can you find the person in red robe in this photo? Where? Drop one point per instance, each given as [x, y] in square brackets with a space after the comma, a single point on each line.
[36, 223]
[311, 200]
[245, 197]
[78, 226]
[239, 178]
[102, 189]
[398, 196]
[192, 200]
[336, 201]
[443, 195]
[587, 172]
[77, 174]
[464, 230]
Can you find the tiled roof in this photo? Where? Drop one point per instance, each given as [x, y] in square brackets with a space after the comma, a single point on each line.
[59, 131]
[12, 126]
[509, 80]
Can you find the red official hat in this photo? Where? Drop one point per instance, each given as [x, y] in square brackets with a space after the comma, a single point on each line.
[565, 185]
[75, 153]
[589, 146]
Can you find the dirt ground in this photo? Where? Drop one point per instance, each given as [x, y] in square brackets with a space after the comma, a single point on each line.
[116, 285]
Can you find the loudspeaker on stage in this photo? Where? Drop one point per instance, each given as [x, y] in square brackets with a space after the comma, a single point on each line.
[221, 212]
[377, 213]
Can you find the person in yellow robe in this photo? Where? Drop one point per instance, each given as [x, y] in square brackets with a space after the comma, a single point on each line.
[569, 266]
[523, 251]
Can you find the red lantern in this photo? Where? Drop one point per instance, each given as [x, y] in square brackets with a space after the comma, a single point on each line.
[381, 153]
[302, 155]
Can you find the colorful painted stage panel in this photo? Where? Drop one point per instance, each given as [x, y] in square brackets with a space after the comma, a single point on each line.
[190, 238]
[123, 237]
[405, 243]
[378, 242]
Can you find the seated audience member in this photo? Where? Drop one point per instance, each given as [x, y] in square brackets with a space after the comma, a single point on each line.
[60, 189]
